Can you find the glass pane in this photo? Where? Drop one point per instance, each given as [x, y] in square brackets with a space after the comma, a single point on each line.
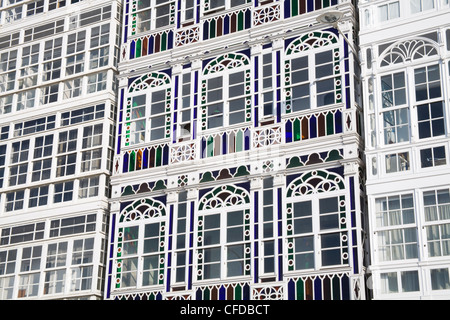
[237, 104]
[415, 6]
[151, 245]
[211, 255]
[443, 196]
[383, 12]
[436, 109]
[300, 98]
[214, 122]
[426, 158]
[428, 4]
[212, 221]
[439, 156]
[211, 271]
[328, 205]
[440, 279]
[394, 10]
[211, 237]
[400, 97]
[302, 225]
[216, 3]
[151, 230]
[389, 282]
[304, 248]
[235, 234]
[215, 83]
[331, 257]
[234, 218]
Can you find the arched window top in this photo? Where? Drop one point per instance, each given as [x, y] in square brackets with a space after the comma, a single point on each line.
[143, 209]
[224, 196]
[312, 40]
[226, 62]
[406, 51]
[313, 182]
[150, 80]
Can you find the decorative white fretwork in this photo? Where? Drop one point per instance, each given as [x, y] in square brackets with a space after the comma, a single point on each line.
[310, 41]
[406, 51]
[316, 181]
[143, 209]
[224, 196]
[268, 293]
[187, 36]
[267, 137]
[227, 61]
[266, 15]
[183, 152]
[150, 80]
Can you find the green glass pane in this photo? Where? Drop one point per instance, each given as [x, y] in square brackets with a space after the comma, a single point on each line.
[132, 161]
[297, 133]
[212, 29]
[164, 42]
[238, 292]
[210, 147]
[336, 284]
[241, 21]
[330, 123]
[158, 160]
[206, 294]
[294, 7]
[138, 48]
[300, 290]
[239, 141]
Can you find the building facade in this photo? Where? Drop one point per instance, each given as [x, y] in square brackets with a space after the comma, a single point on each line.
[405, 50]
[238, 170]
[224, 149]
[57, 123]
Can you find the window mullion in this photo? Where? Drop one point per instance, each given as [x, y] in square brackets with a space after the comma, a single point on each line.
[223, 243]
[226, 99]
[312, 80]
[140, 255]
[316, 233]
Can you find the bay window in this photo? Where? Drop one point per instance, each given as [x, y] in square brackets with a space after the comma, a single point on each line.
[181, 241]
[316, 233]
[227, 99]
[185, 103]
[225, 244]
[149, 114]
[396, 235]
[154, 14]
[426, 100]
[142, 255]
[437, 219]
[269, 72]
[313, 80]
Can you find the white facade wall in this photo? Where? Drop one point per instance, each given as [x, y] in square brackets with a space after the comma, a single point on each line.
[57, 118]
[409, 243]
